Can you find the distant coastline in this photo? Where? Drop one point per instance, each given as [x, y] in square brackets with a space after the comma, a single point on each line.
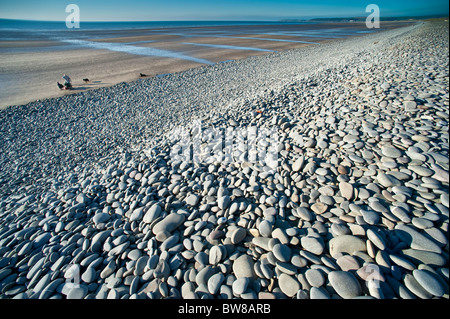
[361, 19]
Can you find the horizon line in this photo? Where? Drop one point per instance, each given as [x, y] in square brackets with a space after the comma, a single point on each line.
[241, 20]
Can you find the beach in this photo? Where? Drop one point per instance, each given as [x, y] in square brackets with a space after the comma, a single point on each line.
[31, 64]
[319, 171]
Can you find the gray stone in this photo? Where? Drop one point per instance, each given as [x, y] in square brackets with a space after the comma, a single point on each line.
[424, 257]
[137, 214]
[240, 285]
[391, 152]
[89, 275]
[429, 282]
[304, 214]
[416, 288]
[421, 170]
[243, 267]
[140, 265]
[288, 285]
[345, 284]
[410, 106]
[312, 244]
[315, 277]
[265, 228]
[214, 283]
[298, 164]
[346, 244]
[153, 213]
[370, 217]
[346, 190]
[192, 200]
[223, 202]
[215, 255]
[169, 223]
[238, 235]
[282, 252]
[77, 291]
[415, 239]
[319, 293]
[100, 218]
[387, 180]
[376, 239]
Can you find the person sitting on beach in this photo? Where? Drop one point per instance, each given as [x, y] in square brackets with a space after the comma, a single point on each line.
[67, 82]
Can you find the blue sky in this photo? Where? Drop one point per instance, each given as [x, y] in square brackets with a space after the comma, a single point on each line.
[169, 10]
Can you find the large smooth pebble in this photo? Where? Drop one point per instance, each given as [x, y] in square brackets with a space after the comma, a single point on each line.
[346, 190]
[315, 277]
[429, 282]
[153, 213]
[288, 285]
[415, 239]
[77, 292]
[265, 228]
[345, 284]
[238, 235]
[376, 239]
[298, 164]
[312, 244]
[243, 267]
[346, 244]
[240, 285]
[420, 170]
[390, 151]
[223, 202]
[387, 180]
[169, 223]
[214, 283]
[282, 252]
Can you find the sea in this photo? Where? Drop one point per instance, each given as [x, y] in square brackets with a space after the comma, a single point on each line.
[64, 38]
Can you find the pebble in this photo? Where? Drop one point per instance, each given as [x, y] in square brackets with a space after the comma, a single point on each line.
[319, 293]
[265, 228]
[424, 257]
[298, 164]
[416, 240]
[429, 282]
[315, 277]
[420, 170]
[282, 252]
[153, 212]
[169, 223]
[345, 284]
[214, 283]
[288, 285]
[312, 244]
[416, 288]
[391, 152]
[346, 244]
[78, 291]
[238, 235]
[240, 285]
[376, 239]
[243, 267]
[370, 217]
[387, 180]
[223, 202]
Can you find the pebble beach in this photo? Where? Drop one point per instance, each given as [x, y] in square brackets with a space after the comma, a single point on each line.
[93, 204]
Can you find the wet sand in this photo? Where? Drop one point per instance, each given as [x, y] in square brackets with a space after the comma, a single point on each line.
[29, 70]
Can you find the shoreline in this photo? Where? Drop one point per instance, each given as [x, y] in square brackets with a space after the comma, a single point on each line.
[30, 77]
